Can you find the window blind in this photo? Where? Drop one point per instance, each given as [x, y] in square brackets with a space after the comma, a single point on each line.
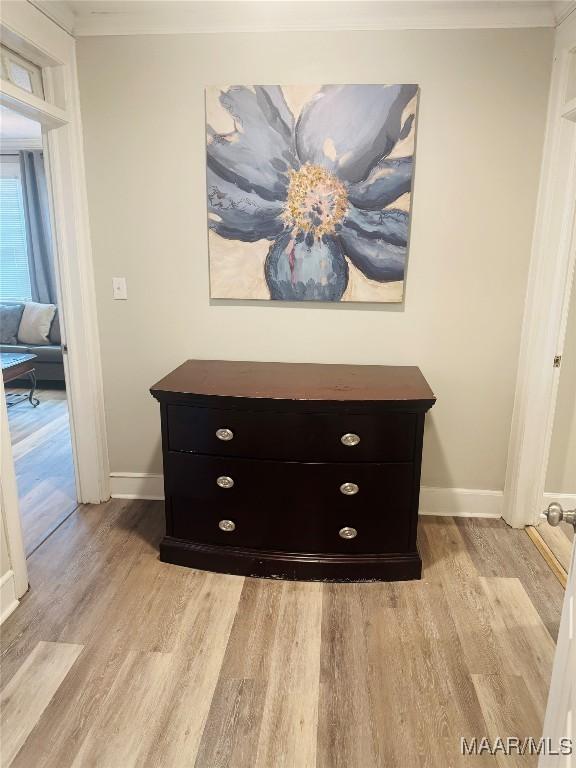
[14, 275]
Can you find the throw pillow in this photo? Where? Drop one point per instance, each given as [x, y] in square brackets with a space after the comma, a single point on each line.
[35, 323]
[54, 335]
[10, 316]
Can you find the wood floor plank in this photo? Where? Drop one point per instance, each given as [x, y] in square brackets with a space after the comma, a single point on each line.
[25, 420]
[182, 681]
[397, 741]
[42, 449]
[558, 542]
[155, 622]
[74, 579]
[132, 620]
[442, 690]
[509, 712]
[123, 732]
[231, 733]
[136, 614]
[469, 606]
[500, 551]
[233, 726]
[112, 622]
[202, 640]
[62, 729]
[290, 716]
[547, 554]
[443, 550]
[249, 651]
[525, 644]
[346, 731]
[475, 621]
[46, 506]
[27, 694]
[54, 423]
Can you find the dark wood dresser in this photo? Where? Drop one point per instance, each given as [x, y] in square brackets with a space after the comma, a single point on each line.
[294, 471]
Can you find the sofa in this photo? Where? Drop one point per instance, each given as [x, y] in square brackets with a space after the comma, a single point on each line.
[33, 328]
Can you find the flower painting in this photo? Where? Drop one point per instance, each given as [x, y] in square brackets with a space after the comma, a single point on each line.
[309, 191]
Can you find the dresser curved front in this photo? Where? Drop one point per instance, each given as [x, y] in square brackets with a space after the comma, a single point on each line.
[293, 487]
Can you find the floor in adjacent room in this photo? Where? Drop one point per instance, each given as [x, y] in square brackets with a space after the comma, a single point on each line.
[560, 540]
[42, 451]
[115, 659]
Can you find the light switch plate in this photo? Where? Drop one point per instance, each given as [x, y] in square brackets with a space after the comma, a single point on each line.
[119, 289]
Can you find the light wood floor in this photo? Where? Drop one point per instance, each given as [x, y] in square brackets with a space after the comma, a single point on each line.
[44, 467]
[115, 659]
[560, 540]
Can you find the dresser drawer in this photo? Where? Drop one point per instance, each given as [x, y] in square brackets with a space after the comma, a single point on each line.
[292, 436]
[290, 506]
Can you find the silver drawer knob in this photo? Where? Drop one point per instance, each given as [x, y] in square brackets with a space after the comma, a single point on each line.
[349, 489]
[224, 481]
[350, 439]
[226, 525]
[348, 533]
[224, 434]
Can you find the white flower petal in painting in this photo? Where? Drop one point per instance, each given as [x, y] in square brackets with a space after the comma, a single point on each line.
[362, 122]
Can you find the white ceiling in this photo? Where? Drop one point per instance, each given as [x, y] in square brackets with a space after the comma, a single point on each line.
[117, 17]
[15, 127]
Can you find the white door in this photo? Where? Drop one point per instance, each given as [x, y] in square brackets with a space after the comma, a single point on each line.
[559, 723]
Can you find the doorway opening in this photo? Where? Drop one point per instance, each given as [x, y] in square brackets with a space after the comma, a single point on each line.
[31, 347]
[556, 535]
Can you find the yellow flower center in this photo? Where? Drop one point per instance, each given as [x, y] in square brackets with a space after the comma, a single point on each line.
[316, 202]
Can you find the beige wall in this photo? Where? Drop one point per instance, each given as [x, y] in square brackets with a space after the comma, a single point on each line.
[481, 122]
[561, 476]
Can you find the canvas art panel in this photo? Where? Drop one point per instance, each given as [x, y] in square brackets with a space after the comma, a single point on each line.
[309, 191]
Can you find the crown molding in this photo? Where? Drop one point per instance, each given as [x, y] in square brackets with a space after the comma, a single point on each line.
[58, 11]
[146, 18]
[563, 10]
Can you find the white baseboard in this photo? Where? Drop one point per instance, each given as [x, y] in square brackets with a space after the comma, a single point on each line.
[8, 600]
[566, 500]
[136, 485]
[455, 502]
[460, 502]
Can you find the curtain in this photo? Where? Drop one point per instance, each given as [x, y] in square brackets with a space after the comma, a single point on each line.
[38, 231]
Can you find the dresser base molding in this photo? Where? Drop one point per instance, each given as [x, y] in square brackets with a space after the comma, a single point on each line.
[287, 565]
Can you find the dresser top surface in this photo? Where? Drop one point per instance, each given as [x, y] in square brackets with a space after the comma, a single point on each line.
[295, 381]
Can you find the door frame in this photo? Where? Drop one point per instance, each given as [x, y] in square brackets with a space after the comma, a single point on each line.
[30, 33]
[547, 299]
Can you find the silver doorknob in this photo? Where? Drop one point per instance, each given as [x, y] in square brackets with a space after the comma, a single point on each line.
[227, 525]
[555, 514]
[350, 439]
[349, 489]
[224, 434]
[348, 533]
[224, 481]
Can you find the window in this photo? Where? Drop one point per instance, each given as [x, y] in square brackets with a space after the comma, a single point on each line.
[14, 275]
[21, 72]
